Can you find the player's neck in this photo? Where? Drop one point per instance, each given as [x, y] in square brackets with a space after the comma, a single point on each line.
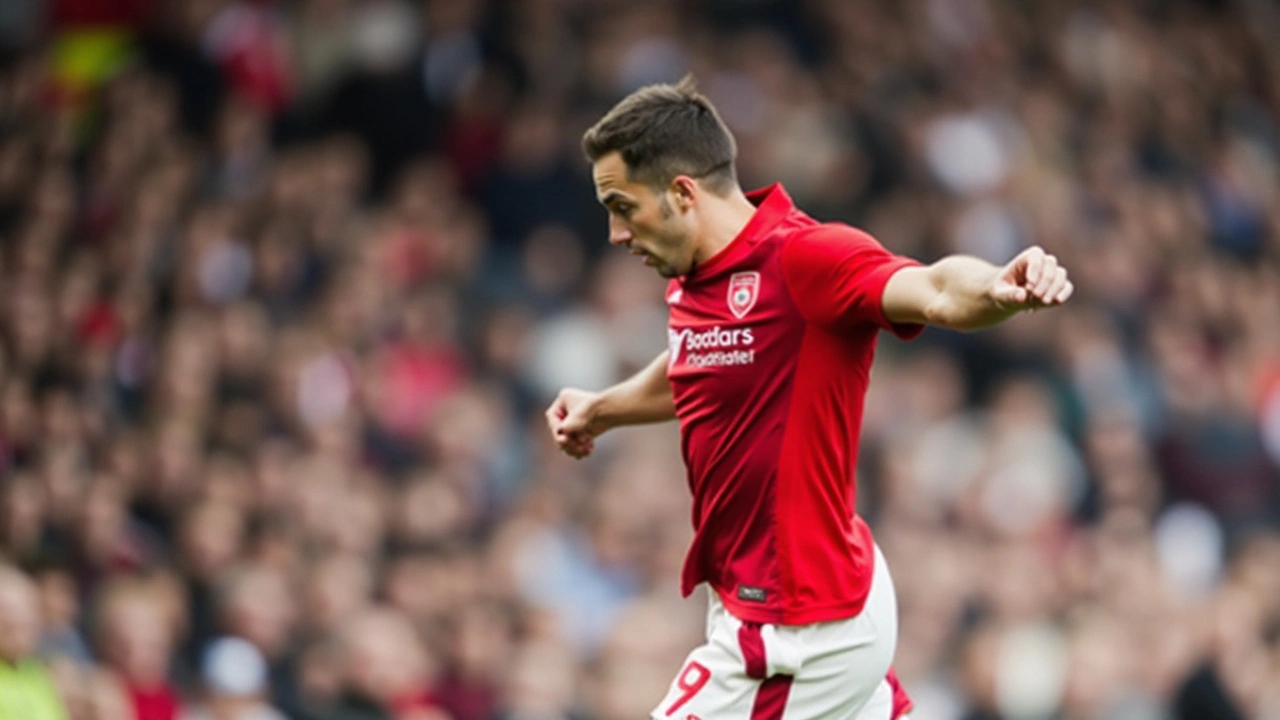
[723, 220]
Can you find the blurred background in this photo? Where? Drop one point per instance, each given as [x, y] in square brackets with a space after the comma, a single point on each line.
[288, 283]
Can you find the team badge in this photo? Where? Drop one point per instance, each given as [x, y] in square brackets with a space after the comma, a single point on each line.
[744, 288]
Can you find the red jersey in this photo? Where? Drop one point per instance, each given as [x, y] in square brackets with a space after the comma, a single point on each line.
[771, 343]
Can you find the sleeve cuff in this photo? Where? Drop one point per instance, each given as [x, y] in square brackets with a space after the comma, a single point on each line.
[903, 331]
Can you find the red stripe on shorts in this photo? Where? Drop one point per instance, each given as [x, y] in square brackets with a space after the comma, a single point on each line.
[901, 701]
[771, 698]
[752, 645]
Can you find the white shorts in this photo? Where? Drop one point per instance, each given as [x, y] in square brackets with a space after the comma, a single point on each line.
[822, 671]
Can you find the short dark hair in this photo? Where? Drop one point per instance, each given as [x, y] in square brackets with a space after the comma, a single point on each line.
[667, 130]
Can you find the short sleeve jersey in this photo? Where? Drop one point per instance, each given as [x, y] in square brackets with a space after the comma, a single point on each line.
[771, 343]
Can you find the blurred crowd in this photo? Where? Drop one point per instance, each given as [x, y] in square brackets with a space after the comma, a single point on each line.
[286, 285]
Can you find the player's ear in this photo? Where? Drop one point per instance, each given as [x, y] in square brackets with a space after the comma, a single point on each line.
[685, 190]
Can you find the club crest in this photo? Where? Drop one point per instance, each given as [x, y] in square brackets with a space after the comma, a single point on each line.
[744, 288]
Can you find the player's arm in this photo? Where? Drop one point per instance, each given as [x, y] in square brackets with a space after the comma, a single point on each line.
[577, 417]
[965, 293]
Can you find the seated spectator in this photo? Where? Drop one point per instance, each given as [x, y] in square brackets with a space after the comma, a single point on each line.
[389, 673]
[136, 638]
[26, 689]
[234, 679]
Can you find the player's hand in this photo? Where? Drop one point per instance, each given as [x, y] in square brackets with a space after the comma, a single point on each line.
[1032, 280]
[573, 422]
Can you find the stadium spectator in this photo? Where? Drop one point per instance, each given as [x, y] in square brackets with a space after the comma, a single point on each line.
[27, 691]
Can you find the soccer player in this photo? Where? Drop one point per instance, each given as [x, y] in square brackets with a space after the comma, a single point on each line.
[773, 325]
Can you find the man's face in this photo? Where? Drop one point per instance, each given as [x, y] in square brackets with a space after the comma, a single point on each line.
[19, 618]
[643, 221]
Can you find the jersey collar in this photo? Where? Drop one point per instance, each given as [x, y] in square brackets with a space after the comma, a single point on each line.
[772, 205]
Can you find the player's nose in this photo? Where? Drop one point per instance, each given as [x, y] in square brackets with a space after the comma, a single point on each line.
[619, 233]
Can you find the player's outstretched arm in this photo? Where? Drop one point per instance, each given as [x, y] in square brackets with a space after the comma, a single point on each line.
[965, 293]
[577, 417]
